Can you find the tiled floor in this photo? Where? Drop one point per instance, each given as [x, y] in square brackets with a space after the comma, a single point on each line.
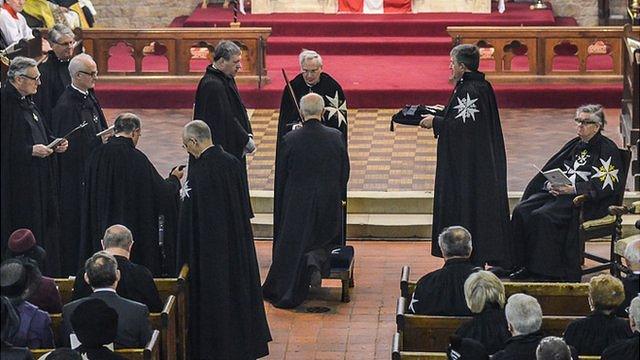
[380, 160]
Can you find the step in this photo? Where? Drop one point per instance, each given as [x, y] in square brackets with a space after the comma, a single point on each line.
[360, 45]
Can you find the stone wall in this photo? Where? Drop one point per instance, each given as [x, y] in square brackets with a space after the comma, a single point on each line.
[584, 11]
[140, 14]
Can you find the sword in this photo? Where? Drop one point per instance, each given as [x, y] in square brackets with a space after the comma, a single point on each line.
[293, 95]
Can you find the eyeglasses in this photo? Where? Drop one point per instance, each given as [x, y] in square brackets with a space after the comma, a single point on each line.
[67, 44]
[583, 122]
[37, 78]
[92, 74]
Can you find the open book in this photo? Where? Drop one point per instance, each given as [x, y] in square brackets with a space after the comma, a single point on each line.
[555, 176]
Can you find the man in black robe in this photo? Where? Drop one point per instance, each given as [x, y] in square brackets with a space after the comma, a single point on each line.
[441, 292]
[28, 187]
[77, 104]
[629, 348]
[311, 80]
[631, 281]
[545, 222]
[226, 311]
[218, 104]
[54, 72]
[123, 187]
[313, 169]
[471, 172]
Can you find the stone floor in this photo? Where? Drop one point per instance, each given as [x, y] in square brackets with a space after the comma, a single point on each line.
[381, 160]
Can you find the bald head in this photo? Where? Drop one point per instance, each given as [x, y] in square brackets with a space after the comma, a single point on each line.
[312, 106]
[196, 137]
[632, 254]
[117, 236]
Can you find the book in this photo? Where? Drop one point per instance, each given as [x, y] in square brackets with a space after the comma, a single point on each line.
[555, 176]
[56, 142]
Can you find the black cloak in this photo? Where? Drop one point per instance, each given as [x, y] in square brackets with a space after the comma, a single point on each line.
[545, 227]
[226, 311]
[489, 327]
[471, 171]
[313, 169]
[123, 187]
[335, 116]
[594, 333]
[29, 183]
[72, 109]
[624, 350]
[54, 79]
[218, 103]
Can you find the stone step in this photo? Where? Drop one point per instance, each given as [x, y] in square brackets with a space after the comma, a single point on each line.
[398, 202]
[392, 226]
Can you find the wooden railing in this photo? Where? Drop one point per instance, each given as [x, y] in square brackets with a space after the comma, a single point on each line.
[547, 53]
[630, 112]
[172, 54]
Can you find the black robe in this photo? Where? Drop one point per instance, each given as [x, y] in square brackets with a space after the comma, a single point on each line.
[489, 327]
[218, 103]
[624, 350]
[313, 167]
[545, 227]
[441, 292]
[631, 289]
[29, 183]
[594, 333]
[520, 347]
[471, 171]
[54, 79]
[226, 311]
[71, 110]
[335, 116]
[123, 187]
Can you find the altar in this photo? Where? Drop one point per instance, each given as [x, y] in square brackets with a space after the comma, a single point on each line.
[370, 6]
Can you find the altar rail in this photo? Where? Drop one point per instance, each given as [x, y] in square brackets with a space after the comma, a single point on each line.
[172, 54]
[547, 53]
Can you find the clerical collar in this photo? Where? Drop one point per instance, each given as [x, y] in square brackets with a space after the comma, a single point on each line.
[10, 10]
[85, 93]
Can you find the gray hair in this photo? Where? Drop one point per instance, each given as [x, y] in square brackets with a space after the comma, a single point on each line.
[311, 105]
[126, 123]
[117, 236]
[553, 348]
[634, 312]
[466, 54]
[455, 241]
[596, 113]
[483, 288]
[225, 49]
[58, 31]
[101, 269]
[523, 313]
[198, 130]
[77, 63]
[309, 55]
[632, 252]
[19, 66]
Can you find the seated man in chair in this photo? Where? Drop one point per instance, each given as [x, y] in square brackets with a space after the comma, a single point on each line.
[545, 223]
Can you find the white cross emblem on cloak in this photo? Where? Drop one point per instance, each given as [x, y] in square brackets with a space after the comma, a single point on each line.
[467, 108]
[336, 108]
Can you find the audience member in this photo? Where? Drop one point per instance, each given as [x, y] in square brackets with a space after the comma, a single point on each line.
[629, 348]
[22, 244]
[62, 354]
[631, 281]
[524, 317]
[592, 334]
[96, 325]
[136, 281]
[18, 280]
[13, 25]
[10, 326]
[441, 292]
[101, 272]
[466, 349]
[553, 348]
[484, 294]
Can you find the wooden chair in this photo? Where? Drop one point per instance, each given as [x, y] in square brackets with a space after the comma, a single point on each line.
[569, 299]
[607, 226]
[342, 264]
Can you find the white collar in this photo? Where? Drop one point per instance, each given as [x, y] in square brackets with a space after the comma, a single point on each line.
[85, 93]
[104, 289]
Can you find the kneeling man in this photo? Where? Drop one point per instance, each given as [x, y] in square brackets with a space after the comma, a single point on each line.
[545, 223]
[313, 170]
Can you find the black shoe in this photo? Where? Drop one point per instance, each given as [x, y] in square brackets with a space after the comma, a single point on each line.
[520, 274]
[315, 278]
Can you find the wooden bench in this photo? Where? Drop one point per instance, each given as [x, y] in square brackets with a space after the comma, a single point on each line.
[150, 352]
[431, 333]
[342, 264]
[570, 299]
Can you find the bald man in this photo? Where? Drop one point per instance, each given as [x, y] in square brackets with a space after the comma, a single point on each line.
[312, 171]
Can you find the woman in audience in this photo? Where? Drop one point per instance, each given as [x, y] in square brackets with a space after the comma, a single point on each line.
[484, 294]
[95, 324]
[592, 334]
[17, 279]
[10, 325]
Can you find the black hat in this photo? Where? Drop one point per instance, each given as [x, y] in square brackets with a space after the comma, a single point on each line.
[466, 349]
[94, 323]
[19, 278]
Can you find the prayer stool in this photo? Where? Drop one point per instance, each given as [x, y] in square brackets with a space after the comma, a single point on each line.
[342, 260]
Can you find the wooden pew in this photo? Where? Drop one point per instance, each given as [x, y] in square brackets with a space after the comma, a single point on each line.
[570, 299]
[150, 352]
[397, 353]
[431, 333]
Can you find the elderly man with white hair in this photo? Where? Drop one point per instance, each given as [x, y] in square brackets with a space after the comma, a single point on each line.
[441, 292]
[630, 348]
[524, 317]
[313, 168]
